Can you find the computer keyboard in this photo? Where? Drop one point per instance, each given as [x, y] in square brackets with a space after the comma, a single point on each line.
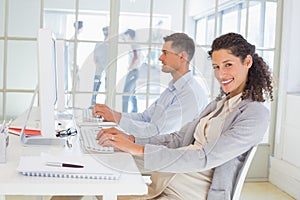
[87, 116]
[89, 143]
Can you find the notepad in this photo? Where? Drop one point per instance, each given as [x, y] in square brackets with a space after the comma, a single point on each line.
[93, 168]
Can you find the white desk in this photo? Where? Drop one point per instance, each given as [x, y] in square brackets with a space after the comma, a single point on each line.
[13, 183]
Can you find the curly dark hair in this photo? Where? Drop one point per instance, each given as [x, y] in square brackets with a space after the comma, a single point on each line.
[259, 83]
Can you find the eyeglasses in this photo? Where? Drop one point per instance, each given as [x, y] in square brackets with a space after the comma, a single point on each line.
[66, 133]
[166, 52]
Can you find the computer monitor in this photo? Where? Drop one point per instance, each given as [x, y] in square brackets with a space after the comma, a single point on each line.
[47, 89]
[47, 80]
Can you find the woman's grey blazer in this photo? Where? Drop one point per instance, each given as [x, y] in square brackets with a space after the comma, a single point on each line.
[244, 127]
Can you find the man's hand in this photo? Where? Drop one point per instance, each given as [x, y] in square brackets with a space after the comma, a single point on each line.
[108, 114]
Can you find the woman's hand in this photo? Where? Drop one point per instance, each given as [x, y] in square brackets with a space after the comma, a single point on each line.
[115, 137]
[108, 114]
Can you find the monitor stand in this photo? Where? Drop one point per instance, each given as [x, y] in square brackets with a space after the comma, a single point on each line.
[40, 140]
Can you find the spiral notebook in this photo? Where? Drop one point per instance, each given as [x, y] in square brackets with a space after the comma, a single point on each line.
[92, 167]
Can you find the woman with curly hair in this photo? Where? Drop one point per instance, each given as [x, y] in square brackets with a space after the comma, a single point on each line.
[201, 160]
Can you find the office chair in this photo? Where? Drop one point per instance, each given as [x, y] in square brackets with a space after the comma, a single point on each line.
[242, 174]
[238, 177]
[228, 178]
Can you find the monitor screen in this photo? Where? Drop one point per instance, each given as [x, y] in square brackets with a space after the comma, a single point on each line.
[54, 71]
[61, 75]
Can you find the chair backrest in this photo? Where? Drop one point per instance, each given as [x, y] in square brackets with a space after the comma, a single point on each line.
[242, 174]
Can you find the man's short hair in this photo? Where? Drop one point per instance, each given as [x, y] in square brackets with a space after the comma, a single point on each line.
[78, 25]
[130, 32]
[182, 42]
[105, 31]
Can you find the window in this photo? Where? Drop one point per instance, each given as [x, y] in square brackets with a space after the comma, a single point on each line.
[258, 28]
[151, 21]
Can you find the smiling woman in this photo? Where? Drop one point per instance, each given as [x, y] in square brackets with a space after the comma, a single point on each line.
[239, 68]
[231, 71]
[201, 151]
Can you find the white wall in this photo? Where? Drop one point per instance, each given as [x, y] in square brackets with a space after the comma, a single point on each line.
[200, 6]
[285, 165]
[290, 48]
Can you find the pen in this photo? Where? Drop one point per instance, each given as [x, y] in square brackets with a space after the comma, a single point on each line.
[59, 164]
[8, 123]
[2, 126]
